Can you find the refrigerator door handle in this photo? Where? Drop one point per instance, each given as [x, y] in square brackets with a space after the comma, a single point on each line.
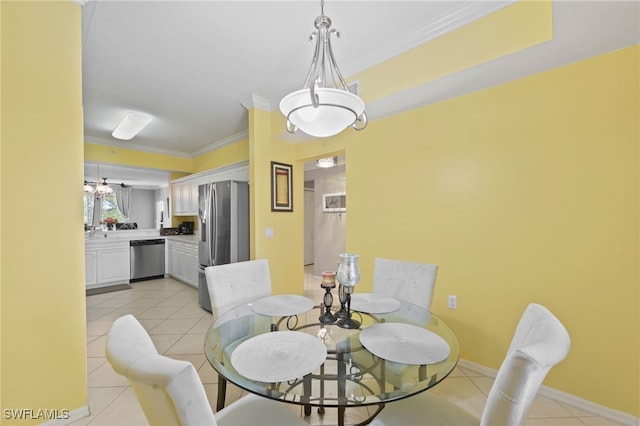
[203, 211]
[213, 211]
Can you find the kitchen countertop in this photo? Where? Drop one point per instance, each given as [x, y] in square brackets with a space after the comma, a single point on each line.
[183, 238]
[139, 234]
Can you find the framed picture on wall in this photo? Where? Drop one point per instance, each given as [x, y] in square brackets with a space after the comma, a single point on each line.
[334, 202]
[281, 187]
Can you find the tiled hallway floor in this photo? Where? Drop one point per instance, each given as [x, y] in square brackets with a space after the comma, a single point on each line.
[169, 311]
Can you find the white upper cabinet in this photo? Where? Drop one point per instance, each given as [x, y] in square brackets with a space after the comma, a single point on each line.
[185, 190]
[185, 198]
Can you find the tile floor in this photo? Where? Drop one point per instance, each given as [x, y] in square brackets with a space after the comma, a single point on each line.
[169, 310]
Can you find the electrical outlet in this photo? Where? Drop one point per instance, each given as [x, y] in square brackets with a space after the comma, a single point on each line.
[453, 301]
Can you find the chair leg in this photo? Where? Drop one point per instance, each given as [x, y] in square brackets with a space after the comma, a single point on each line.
[222, 392]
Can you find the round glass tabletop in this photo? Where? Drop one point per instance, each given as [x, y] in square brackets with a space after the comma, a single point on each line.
[350, 375]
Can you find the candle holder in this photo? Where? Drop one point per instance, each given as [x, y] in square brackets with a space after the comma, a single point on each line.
[348, 275]
[328, 283]
[342, 296]
[348, 322]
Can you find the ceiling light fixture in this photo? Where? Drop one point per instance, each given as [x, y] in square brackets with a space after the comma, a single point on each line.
[327, 162]
[325, 106]
[103, 188]
[131, 125]
[88, 189]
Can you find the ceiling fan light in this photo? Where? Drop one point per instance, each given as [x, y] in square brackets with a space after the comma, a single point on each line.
[103, 188]
[88, 189]
[131, 125]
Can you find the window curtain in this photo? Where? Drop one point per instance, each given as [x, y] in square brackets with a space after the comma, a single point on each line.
[123, 200]
[97, 210]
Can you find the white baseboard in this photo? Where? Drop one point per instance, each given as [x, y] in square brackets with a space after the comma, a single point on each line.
[74, 416]
[563, 397]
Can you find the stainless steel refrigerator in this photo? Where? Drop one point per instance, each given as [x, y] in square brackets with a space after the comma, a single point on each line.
[223, 210]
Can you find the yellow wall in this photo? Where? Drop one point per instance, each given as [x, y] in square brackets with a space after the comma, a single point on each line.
[130, 157]
[525, 192]
[1, 214]
[42, 277]
[228, 154]
[284, 250]
[513, 28]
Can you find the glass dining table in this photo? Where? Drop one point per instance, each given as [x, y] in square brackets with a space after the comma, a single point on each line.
[278, 348]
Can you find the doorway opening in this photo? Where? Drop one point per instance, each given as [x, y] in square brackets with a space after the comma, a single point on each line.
[324, 228]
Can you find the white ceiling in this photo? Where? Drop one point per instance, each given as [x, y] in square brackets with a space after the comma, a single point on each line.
[191, 64]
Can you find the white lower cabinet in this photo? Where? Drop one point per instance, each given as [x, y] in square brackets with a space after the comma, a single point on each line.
[91, 268]
[183, 261]
[107, 263]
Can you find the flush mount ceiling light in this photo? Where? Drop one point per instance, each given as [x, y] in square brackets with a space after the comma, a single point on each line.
[131, 125]
[327, 162]
[325, 106]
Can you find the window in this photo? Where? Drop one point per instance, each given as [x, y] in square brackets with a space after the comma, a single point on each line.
[88, 208]
[109, 208]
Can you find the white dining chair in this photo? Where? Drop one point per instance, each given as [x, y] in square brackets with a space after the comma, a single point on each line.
[230, 285]
[410, 281]
[540, 342]
[170, 391]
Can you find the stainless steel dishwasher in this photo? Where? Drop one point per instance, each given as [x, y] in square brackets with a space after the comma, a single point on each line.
[147, 259]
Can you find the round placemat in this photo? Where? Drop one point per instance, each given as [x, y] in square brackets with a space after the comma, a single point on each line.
[404, 343]
[282, 305]
[373, 303]
[278, 356]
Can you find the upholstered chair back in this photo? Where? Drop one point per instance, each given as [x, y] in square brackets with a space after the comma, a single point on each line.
[235, 283]
[169, 391]
[410, 281]
[539, 343]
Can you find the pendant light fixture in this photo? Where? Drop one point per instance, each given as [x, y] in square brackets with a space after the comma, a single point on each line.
[325, 106]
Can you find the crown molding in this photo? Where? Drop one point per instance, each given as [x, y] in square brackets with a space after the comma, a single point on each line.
[216, 145]
[402, 43]
[562, 50]
[223, 142]
[135, 147]
[256, 101]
